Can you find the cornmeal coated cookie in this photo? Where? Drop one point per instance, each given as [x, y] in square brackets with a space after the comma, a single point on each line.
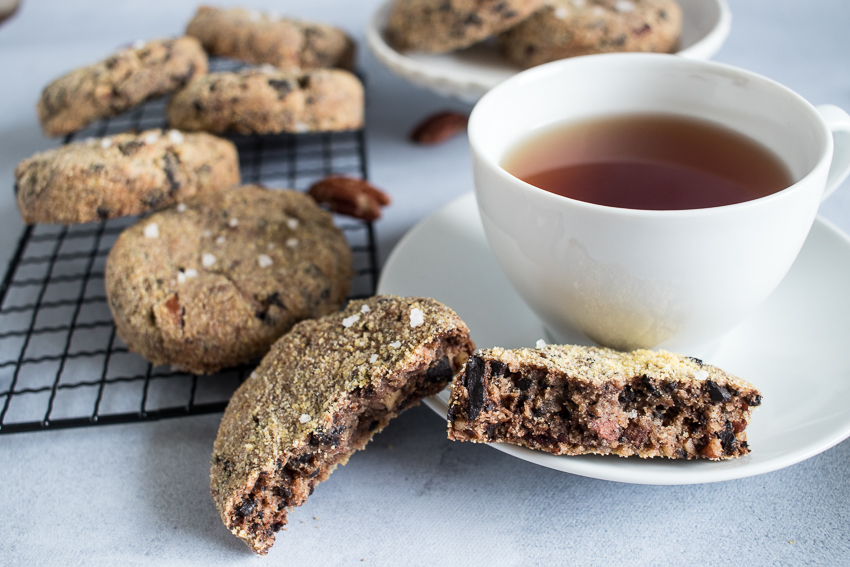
[567, 28]
[571, 400]
[121, 175]
[121, 81]
[257, 37]
[270, 101]
[319, 395]
[213, 282]
[440, 26]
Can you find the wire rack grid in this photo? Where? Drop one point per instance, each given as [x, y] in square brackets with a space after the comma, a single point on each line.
[62, 364]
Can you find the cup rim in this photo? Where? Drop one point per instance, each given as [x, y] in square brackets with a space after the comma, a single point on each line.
[554, 67]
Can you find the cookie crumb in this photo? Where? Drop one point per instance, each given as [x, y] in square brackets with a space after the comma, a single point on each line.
[264, 260]
[105, 143]
[292, 242]
[207, 260]
[373, 359]
[395, 344]
[292, 223]
[349, 321]
[540, 343]
[152, 230]
[304, 418]
[175, 137]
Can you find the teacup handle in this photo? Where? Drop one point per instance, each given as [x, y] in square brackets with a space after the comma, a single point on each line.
[838, 122]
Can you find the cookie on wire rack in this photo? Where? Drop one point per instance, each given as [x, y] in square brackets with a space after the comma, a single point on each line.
[122, 175]
[211, 283]
[270, 101]
[119, 82]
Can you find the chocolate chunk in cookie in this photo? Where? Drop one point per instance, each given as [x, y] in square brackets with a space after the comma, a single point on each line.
[213, 282]
[319, 395]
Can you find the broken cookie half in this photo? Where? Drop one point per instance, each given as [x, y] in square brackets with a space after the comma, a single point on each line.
[571, 400]
[319, 395]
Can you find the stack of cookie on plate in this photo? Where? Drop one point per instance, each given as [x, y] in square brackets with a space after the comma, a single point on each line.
[531, 32]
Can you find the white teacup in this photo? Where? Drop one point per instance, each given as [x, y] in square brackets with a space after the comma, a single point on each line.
[628, 278]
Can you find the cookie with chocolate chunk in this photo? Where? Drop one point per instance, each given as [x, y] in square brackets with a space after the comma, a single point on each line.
[258, 37]
[567, 28]
[440, 26]
[572, 400]
[320, 394]
[213, 282]
[121, 175]
[270, 101]
[123, 80]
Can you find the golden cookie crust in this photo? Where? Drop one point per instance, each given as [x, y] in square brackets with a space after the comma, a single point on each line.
[123, 80]
[213, 282]
[122, 175]
[257, 37]
[568, 28]
[270, 101]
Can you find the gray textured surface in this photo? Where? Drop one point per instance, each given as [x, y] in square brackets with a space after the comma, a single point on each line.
[138, 494]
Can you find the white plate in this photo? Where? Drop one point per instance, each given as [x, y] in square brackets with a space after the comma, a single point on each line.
[469, 73]
[794, 348]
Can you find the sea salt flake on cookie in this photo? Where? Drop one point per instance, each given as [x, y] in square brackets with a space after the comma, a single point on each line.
[395, 344]
[292, 242]
[373, 359]
[152, 230]
[349, 321]
[181, 207]
[181, 277]
[220, 240]
[701, 374]
[191, 273]
[417, 317]
[624, 6]
[150, 138]
[139, 44]
[264, 260]
[234, 222]
[105, 143]
[292, 223]
[365, 309]
[175, 137]
[207, 260]
[304, 418]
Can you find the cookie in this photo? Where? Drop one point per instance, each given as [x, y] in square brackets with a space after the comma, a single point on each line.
[440, 26]
[214, 281]
[319, 395]
[270, 101]
[120, 82]
[121, 175]
[571, 400]
[256, 37]
[567, 28]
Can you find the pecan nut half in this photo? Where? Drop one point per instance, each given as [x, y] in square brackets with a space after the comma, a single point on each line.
[349, 196]
[439, 127]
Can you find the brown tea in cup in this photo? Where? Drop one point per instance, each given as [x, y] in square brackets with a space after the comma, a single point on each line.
[649, 162]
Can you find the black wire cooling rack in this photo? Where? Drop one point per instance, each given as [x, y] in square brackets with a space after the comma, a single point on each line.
[61, 363]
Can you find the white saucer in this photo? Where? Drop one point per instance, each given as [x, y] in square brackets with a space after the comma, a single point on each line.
[794, 348]
[469, 73]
